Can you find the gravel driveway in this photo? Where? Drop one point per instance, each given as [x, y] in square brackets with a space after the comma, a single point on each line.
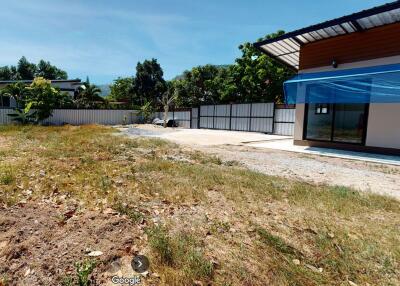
[229, 145]
[363, 176]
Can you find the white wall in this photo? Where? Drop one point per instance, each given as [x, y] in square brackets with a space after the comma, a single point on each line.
[299, 122]
[384, 125]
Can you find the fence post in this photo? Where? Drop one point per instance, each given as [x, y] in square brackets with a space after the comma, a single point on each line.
[198, 117]
[214, 117]
[273, 118]
[190, 118]
[173, 115]
[250, 115]
[230, 117]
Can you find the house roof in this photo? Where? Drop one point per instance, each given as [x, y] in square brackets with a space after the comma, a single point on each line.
[54, 80]
[286, 48]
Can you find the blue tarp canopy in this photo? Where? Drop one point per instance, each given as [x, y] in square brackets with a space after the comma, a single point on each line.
[378, 84]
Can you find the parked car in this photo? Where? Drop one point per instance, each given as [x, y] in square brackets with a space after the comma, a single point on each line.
[170, 122]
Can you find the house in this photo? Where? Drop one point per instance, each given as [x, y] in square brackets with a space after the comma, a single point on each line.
[347, 87]
[69, 86]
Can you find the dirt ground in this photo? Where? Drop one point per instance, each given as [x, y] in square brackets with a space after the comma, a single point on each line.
[72, 194]
[228, 145]
[55, 237]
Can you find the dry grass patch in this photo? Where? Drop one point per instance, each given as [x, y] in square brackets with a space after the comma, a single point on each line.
[207, 221]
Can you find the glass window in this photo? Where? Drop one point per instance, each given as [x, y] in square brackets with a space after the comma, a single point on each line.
[321, 108]
[349, 123]
[319, 125]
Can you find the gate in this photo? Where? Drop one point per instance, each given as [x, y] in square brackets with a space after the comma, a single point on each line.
[255, 117]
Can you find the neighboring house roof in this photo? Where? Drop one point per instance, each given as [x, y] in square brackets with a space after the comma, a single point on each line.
[286, 48]
[53, 80]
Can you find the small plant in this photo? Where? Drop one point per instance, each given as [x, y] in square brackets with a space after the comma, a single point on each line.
[160, 242]
[83, 271]
[23, 116]
[134, 215]
[6, 176]
[67, 281]
[146, 112]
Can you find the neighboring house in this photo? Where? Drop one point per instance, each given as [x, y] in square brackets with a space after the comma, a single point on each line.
[347, 91]
[70, 86]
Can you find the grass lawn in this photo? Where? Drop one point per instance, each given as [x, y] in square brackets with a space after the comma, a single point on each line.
[200, 220]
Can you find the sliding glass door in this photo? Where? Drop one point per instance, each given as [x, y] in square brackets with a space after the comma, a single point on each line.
[344, 123]
[349, 123]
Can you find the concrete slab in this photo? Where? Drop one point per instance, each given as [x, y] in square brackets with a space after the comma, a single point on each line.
[287, 145]
[203, 137]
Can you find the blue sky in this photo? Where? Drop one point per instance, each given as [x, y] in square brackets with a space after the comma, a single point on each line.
[105, 39]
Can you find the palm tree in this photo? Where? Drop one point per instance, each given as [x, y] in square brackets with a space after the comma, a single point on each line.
[89, 96]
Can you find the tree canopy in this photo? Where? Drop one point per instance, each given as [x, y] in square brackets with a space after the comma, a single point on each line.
[148, 85]
[253, 77]
[25, 70]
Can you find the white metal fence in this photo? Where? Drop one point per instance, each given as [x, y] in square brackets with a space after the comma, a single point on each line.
[82, 116]
[253, 117]
[256, 117]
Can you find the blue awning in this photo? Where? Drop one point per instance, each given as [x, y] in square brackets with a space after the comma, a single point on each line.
[378, 84]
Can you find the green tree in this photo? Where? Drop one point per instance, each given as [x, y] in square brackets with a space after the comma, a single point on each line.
[122, 90]
[89, 96]
[149, 84]
[43, 97]
[25, 69]
[201, 85]
[48, 71]
[258, 77]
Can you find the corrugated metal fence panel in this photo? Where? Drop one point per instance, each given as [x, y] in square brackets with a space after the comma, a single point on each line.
[241, 110]
[258, 117]
[195, 118]
[262, 125]
[262, 110]
[284, 121]
[207, 110]
[182, 118]
[240, 124]
[4, 118]
[285, 115]
[222, 110]
[92, 116]
[284, 129]
[82, 116]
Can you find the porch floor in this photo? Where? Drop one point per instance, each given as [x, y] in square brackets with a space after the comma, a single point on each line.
[287, 145]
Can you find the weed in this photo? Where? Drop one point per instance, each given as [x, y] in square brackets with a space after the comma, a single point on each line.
[67, 281]
[134, 215]
[83, 271]
[275, 242]
[181, 252]
[161, 243]
[7, 176]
